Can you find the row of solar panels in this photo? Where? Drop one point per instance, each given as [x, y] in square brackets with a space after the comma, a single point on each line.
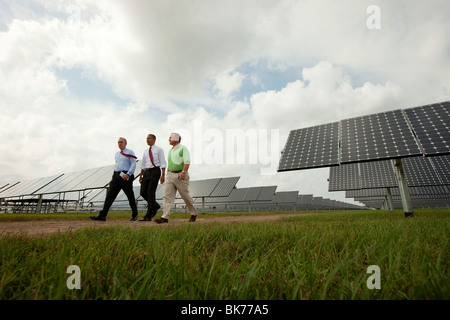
[419, 131]
[92, 183]
[87, 188]
[252, 198]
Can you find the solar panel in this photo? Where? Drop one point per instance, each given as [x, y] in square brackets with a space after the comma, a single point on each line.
[431, 125]
[97, 178]
[420, 172]
[237, 195]
[344, 177]
[365, 193]
[29, 187]
[267, 193]
[285, 197]
[304, 199]
[442, 167]
[225, 186]
[381, 192]
[202, 188]
[378, 136]
[252, 194]
[377, 174]
[291, 196]
[311, 147]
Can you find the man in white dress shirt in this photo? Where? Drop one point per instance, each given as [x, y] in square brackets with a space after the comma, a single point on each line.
[153, 162]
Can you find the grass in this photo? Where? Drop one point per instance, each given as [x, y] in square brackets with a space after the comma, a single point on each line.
[314, 257]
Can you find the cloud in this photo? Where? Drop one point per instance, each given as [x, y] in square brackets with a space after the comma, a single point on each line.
[324, 94]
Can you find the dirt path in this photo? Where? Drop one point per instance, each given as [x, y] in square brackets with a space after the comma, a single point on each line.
[45, 227]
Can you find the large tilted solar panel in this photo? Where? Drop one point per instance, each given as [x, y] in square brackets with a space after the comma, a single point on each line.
[311, 147]
[431, 125]
[378, 136]
[400, 133]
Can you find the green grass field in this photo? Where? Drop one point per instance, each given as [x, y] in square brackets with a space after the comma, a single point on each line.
[321, 256]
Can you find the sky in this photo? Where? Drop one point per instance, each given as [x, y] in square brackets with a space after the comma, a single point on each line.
[232, 77]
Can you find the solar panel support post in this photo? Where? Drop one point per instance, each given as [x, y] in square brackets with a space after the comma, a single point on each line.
[390, 202]
[39, 205]
[203, 205]
[403, 188]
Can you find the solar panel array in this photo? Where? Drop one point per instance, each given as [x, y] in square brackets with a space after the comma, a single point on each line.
[387, 135]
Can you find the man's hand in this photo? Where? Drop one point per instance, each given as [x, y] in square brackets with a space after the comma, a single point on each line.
[125, 177]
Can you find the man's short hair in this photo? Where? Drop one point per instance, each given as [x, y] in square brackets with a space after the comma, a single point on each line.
[125, 140]
[176, 137]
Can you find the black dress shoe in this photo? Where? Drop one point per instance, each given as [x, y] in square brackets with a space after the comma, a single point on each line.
[162, 220]
[145, 219]
[100, 218]
[133, 219]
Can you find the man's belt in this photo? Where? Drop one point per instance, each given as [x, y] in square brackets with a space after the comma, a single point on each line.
[176, 171]
[118, 172]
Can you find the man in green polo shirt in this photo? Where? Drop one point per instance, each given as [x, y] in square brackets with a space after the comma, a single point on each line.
[177, 179]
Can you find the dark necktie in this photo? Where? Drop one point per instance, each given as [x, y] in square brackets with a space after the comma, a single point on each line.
[151, 156]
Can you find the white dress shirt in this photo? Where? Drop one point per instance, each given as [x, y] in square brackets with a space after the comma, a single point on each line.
[158, 158]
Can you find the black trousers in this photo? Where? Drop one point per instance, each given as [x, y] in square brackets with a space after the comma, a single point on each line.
[117, 184]
[149, 184]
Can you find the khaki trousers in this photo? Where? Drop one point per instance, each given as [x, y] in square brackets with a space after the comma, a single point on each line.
[171, 186]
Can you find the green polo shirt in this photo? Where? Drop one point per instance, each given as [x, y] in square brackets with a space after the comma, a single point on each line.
[178, 155]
